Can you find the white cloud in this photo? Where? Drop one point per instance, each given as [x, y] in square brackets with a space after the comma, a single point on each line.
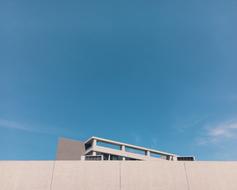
[182, 124]
[24, 127]
[12, 125]
[218, 133]
[40, 128]
[224, 130]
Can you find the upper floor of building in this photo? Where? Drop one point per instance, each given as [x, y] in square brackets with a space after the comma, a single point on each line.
[96, 148]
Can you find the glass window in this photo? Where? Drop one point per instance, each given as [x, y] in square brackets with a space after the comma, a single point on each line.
[130, 158]
[134, 150]
[115, 157]
[153, 154]
[108, 145]
[88, 145]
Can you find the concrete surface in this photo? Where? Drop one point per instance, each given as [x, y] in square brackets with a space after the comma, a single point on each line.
[153, 175]
[69, 149]
[117, 175]
[86, 175]
[212, 175]
[26, 175]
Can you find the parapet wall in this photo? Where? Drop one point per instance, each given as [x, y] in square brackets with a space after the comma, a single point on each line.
[117, 175]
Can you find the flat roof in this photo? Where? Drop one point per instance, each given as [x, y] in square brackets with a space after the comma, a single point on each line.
[131, 146]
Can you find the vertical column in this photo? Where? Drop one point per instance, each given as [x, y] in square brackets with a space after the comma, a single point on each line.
[94, 141]
[148, 153]
[122, 148]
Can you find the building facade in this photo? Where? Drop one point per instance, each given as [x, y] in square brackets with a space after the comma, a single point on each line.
[96, 148]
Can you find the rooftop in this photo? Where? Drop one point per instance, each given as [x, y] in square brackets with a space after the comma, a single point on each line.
[96, 146]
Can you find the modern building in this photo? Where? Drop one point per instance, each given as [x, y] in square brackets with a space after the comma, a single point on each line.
[96, 148]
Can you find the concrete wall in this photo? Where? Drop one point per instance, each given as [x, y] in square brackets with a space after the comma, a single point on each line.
[70, 149]
[117, 175]
[26, 175]
[153, 175]
[212, 175]
[87, 175]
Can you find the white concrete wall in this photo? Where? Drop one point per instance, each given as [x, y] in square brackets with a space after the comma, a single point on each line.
[117, 175]
[86, 175]
[153, 175]
[212, 175]
[25, 175]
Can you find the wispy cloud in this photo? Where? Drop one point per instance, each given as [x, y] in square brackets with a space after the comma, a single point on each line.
[225, 130]
[40, 128]
[218, 133]
[10, 124]
[182, 124]
[13, 125]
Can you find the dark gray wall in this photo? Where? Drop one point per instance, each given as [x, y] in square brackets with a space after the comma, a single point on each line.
[70, 149]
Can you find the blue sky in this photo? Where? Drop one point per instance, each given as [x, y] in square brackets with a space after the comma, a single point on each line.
[160, 74]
